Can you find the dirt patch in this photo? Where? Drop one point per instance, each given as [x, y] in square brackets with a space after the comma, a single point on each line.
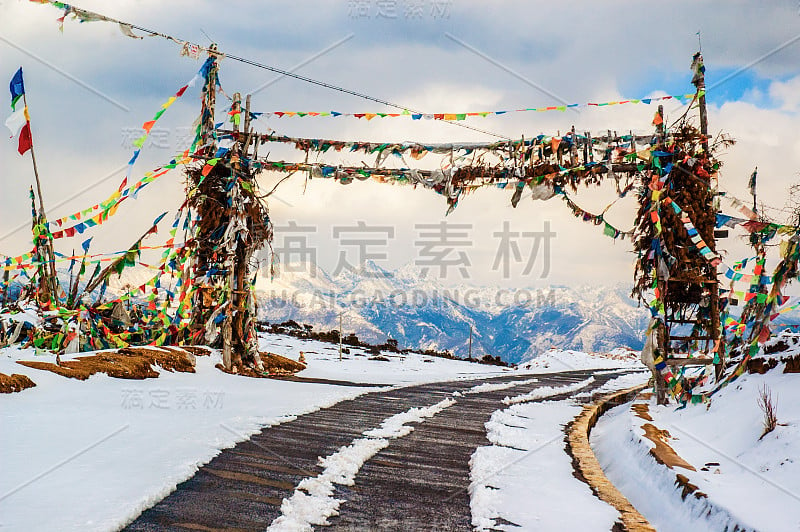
[196, 350]
[280, 365]
[792, 364]
[14, 383]
[126, 363]
[662, 452]
[274, 365]
[587, 469]
[642, 410]
[687, 488]
[763, 365]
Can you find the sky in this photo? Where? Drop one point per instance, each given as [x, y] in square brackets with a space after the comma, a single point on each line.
[90, 88]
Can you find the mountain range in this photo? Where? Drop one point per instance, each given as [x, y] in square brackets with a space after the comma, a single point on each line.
[420, 313]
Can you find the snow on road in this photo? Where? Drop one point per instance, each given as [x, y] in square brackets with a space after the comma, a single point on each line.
[547, 391]
[497, 386]
[313, 502]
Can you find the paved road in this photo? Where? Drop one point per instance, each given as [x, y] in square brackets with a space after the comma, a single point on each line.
[418, 482]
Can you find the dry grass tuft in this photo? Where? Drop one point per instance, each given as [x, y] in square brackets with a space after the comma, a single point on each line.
[14, 383]
[126, 363]
[770, 409]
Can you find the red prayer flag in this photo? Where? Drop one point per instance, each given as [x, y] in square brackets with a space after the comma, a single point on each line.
[25, 140]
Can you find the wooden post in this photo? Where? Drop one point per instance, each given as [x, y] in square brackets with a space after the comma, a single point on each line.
[633, 145]
[236, 105]
[207, 115]
[574, 150]
[699, 81]
[660, 127]
[341, 333]
[6, 275]
[49, 279]
[247, 130]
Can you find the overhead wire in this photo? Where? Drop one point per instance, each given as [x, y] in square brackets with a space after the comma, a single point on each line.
[277, 70]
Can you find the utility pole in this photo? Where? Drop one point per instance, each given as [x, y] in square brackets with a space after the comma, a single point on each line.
[341, 333]
[470, 341]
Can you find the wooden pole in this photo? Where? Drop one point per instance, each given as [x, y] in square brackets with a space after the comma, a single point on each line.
[49, 256]
[35, 168]
[6, 275]
[247, 130]
[699, 81]
[207, 116]
[341, 333]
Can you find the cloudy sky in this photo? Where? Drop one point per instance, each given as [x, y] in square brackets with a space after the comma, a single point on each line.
[90, 88]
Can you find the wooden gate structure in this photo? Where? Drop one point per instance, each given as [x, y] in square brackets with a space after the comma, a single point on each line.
[673, 172]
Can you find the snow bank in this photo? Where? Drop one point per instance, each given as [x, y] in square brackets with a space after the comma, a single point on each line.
[567, 360]
[526, 477]
[625, 458]
[411, 368]
[133, 441]
[749, 481]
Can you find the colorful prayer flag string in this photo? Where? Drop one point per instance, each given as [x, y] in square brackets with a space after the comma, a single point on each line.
[464, 115]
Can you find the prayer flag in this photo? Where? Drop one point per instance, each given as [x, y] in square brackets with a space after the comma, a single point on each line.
[17, 87]
[19, 123]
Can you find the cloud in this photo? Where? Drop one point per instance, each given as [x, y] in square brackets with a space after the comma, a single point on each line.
[601, 51]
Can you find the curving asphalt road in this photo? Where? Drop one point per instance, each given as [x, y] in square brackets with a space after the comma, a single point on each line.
[418, 482]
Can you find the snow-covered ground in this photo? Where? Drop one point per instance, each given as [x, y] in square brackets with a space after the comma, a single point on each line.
[102, 450]
[323, 363]
[748, 481]
[565, 360]
[91, 455]
[526, 476]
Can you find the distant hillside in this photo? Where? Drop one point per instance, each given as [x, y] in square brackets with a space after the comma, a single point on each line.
[420, 313]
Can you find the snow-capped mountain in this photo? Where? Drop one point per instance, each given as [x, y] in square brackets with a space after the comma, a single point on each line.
[421, 313]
